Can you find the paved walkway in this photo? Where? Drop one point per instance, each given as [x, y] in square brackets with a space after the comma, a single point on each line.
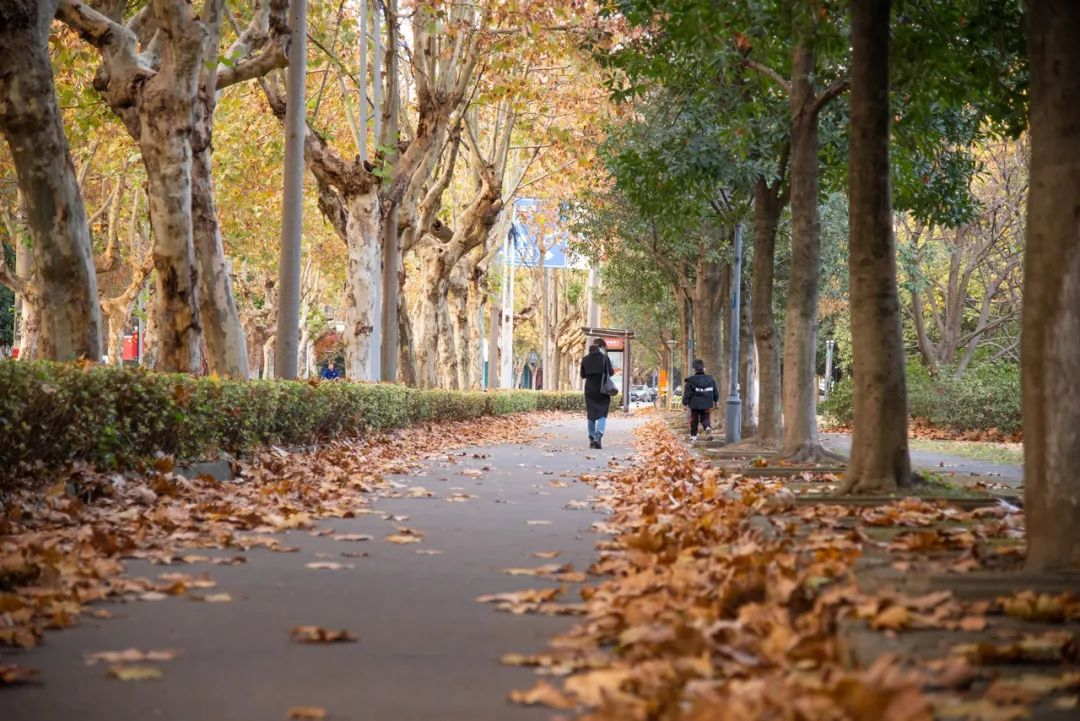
[427, 650]
[960, 468]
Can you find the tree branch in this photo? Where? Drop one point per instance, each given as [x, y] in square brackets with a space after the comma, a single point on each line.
[769, 73]
[837, 88]
[275, 56]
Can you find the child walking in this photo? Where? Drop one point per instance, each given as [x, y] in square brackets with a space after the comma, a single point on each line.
[700, 395]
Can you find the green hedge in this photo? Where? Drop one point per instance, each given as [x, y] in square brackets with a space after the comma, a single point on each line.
[987, 396]
[54, 413]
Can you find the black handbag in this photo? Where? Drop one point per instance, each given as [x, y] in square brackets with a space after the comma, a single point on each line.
[608, 387]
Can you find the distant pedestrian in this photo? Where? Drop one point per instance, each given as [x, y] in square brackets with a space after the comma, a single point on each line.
[700, 395]
[331, 372]
[597, 371]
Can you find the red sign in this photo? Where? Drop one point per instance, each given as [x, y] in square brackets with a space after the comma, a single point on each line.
[131, 347]
[15, 352]
[614, 342]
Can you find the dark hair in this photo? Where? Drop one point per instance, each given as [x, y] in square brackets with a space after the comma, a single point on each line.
[599, 343]
[699, 365]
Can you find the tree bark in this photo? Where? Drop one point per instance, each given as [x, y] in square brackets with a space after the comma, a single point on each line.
[218, 313]
[65, 291]
[747, 364]
[767, 207]
[363, 234]
[1051, 315]
[879, 452]
[801, 316]
[709, 316]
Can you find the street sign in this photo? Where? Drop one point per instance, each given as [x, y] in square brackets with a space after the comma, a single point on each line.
[526, 242]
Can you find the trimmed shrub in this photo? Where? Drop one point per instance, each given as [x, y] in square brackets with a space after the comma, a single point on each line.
[53, 413]
[986, 397]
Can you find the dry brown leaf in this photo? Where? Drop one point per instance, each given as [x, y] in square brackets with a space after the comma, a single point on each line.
[543, 694]
[307, 713]
[318, 634]
[981, 710]
[402, 538]
[593, 688]
[13, 674]
[892, 618]
[546, 554]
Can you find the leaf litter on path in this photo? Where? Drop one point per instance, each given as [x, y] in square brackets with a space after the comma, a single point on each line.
[700, 616]
[59, 552]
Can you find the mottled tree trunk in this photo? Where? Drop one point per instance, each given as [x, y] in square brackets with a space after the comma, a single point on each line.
[448, 340]
[1051, 316]
[801, 317]
[477, 311]
[219, 316]
[767, 206]
[363, 232]
[27, 304]
[65, 291]
[879, 451]
[426, 327]
[165, 123]
[406, 344]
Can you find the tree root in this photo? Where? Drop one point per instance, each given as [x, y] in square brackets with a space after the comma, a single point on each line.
[856, 486]
[748, 445]
[811, 453]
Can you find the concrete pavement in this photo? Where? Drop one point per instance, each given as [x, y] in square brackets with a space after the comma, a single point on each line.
[427, 651]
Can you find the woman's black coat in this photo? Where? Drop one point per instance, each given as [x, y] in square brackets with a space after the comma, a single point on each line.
[593, 367]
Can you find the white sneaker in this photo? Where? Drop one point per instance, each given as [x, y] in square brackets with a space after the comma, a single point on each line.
[708, 434]
[693, 439]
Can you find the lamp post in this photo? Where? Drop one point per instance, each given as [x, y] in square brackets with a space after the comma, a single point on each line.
[829, 346]
[671, 372]
[733, 421]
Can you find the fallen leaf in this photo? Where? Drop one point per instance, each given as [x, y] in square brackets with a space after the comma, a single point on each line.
[543, 694]
[546, 554]
[328, 565]
[12, 675]
[307, 713]
[318, 634]
[214, 598]
[352, 537]
[402, 538]
[129, 656]
[135, 673]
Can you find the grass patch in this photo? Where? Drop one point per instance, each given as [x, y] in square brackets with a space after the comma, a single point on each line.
[1006, 453]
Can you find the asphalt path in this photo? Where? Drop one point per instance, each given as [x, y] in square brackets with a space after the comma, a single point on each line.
[427, 650]
[957, 468]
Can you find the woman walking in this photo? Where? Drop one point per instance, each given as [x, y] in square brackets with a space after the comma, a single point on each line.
[595, 368]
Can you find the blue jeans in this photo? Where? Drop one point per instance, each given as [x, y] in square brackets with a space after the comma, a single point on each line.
[596, 428]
